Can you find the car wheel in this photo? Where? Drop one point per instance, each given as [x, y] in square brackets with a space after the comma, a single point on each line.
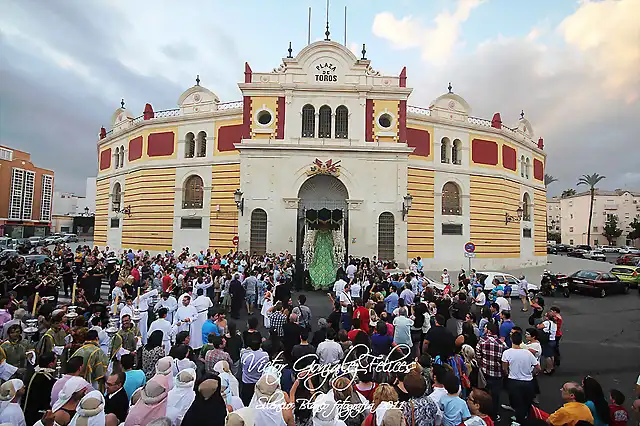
[625, 288]
[566, 292]
[603, 292]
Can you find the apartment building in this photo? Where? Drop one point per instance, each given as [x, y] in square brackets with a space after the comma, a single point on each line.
[554, 214]
[575, 216]
[26, 195]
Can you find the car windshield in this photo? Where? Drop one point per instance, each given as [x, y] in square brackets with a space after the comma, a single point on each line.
[587, 275]
[621, 270]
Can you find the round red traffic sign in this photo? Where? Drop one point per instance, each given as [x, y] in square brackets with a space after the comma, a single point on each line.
[469, 247]
[235, 240]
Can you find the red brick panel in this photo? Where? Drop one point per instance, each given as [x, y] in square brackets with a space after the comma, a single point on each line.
[135, 148]
[538, 170]
[160, 144]
[229, 135]
[280, 120]
[420, 140]
[509, 157]
[368, 121]
[105, 159]
[402, 115]
[484, 152]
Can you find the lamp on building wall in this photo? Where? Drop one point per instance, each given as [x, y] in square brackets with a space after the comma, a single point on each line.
[508, 218]
[126, 210]
[406, 205]
[237, 197]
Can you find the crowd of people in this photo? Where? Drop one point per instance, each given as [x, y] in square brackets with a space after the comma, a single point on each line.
[161, 349]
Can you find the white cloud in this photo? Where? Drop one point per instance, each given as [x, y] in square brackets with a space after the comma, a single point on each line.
[436, 42]
[608, 34]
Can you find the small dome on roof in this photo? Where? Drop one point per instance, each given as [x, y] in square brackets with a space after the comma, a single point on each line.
[525, 127]
[451, 102]
[120, 115]
[197, 95]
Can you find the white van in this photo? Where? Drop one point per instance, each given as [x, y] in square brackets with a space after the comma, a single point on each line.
[6, 243]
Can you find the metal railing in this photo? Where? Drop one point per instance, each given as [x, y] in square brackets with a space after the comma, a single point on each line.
[167, 113]
[230, 105]
[479, 121]
[418, 110]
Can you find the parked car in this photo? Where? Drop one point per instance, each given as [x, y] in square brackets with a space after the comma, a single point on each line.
[51, 239]
[628, 250]
[36, 241]
[552, 249]
[595, 255]
[629, 274]
[609, 249]
[486, 279]
[576, 252]
[70, 238]
[628, 259]
[6, 243]
[596, 282]
[39, 258]
[562, 248]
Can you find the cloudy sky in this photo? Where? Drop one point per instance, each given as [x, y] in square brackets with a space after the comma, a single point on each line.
[573, 66]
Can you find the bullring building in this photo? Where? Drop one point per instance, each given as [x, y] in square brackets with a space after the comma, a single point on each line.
[324, 157]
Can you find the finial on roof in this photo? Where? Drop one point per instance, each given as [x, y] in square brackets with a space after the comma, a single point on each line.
[522, 115]
[450, 88]
[364, 52]
[198, 80]
[327, 33]
[290, 50]
[122, 103]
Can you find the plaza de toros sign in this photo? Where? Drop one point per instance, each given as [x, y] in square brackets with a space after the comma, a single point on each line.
[326, 72]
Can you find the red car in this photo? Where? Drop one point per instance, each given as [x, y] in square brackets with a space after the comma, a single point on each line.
[628, 259]
[597, 283]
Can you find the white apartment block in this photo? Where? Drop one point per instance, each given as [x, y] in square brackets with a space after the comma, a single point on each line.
[554, 214]
[575, 216]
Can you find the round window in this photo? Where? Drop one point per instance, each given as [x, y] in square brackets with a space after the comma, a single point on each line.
[264, 117]
[385, 121]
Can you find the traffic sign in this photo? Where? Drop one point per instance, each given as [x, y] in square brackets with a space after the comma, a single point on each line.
[235, 240]
[469, 255]
[470, 247]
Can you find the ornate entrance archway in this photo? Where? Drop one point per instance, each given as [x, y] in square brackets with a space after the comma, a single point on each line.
[322, 228]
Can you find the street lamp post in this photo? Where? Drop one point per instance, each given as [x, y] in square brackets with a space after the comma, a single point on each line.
[508, 218]
[406, 205]
[239, 199]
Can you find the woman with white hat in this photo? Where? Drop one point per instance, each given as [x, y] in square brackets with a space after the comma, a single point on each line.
[229, 383]
[181, 396]
[10, 412]
[65, 407]
[271, 404]
[90, 412]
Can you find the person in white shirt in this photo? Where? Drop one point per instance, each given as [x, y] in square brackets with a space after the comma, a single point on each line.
[165, 326]
[445, 278]
[185, 315]
[438, 374]
[339, 285]
[170, 303]
[103, 338]
[520, 365]
[329, 351]
[550, 328]
[480, 301]
[356, 290]
[142, 302]
[502, 302]
[10, 411]
[351, 271]
[202, 304]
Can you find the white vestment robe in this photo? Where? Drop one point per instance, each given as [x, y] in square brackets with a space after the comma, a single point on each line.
[183, 313]
[171, 304]
[167, 331]
[202, 305]
[143, 308]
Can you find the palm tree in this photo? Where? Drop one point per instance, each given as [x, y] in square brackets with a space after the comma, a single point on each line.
[568, 193]
[548, 179]
[591, 181]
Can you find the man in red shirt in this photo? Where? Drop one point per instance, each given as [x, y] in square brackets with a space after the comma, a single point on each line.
[166, 282]
[361, 313]
[351, 335]
[558, 317]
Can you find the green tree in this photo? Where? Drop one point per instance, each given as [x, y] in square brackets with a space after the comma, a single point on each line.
[635, 234]
[548, 179]
[554, 236]
[591, 181]
[568, 193]
[611, 231]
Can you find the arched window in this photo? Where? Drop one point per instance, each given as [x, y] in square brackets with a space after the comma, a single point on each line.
[342, 122]
[451, 204]
[386, 236]
[324, 122]
[202, 144]
[444, 150]
[117, 158]
[193, 193]
[122, 156]
[455, 152]
[526, 207]
[527, 169]
[116, 197]
[258, 241]
[189, 145]
[523, 166]
[308, 121]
